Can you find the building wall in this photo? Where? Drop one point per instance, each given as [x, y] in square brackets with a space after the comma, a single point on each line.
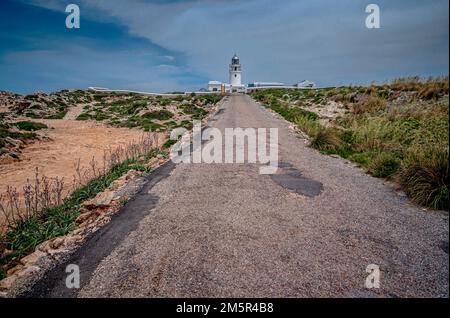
[235, 75]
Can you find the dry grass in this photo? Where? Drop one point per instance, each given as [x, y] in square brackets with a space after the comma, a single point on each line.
[424, 176]
[370, 105]
[326, 139]
[42, 193]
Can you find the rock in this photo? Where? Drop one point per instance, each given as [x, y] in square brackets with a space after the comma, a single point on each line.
[33, 258]
[101, 200]
[13, 270]
[52, 253]
[73, 239]
[6, 283]
[152, 162]
[131, 174]
[83, 217]
[43, 247]
[75, 232]
[57, 242]
[27, 271]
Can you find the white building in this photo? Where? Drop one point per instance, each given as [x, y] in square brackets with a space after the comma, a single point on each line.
[214, 86]
[305, 83]
[235, 84]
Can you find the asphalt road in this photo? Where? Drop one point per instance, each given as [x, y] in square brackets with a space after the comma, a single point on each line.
[224, 230]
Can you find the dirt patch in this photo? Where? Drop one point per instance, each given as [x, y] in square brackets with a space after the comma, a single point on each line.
[74, 112]
[69, 141]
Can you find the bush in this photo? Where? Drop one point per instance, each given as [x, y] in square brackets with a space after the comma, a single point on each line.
[385, 165]
[83, 116]
[308, 126]
[370, 105]
[160, 114]
[30, 126]
[4, 132]
[326, 139]
[424, 176]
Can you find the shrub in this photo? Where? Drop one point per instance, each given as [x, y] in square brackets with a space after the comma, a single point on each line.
[164, 102]
[385, 165]
[370, 105]
[169, 143]
[30, 126]
[83, 116]
[160, 114]
[363, 158]
[308, 126]
[4, 132]
[326, 139]
[424, 176]
[151, 126]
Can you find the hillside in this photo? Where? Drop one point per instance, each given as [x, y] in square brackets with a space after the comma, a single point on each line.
[398, 130]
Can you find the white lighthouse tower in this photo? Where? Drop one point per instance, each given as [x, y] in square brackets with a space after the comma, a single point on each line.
[235, 75]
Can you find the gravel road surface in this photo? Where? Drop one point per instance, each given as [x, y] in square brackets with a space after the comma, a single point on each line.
[224, 230]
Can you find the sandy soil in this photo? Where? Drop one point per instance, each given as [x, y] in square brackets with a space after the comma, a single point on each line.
[74, 112]
[69, 141]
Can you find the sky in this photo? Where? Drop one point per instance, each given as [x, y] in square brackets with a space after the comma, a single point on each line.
[163, 46]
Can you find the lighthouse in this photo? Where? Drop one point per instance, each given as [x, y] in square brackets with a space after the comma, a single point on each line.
[235, 85]
[235, 74]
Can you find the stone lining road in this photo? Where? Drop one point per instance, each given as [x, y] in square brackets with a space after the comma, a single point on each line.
[224, 230]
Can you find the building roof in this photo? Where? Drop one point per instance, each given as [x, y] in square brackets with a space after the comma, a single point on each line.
[214, 82]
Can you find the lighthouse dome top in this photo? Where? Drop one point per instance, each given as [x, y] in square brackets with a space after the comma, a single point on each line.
[235, 59]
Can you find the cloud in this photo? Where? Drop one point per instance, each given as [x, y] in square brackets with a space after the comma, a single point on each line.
[292, 40]
[286, 41]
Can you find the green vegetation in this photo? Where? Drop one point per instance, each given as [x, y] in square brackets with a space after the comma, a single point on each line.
[30, 126]
[169, 143]
[59, 115]
[5, 132]
[151, 113]
[160, 115]
[57, 221]
[60, 220]
[397, 131]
